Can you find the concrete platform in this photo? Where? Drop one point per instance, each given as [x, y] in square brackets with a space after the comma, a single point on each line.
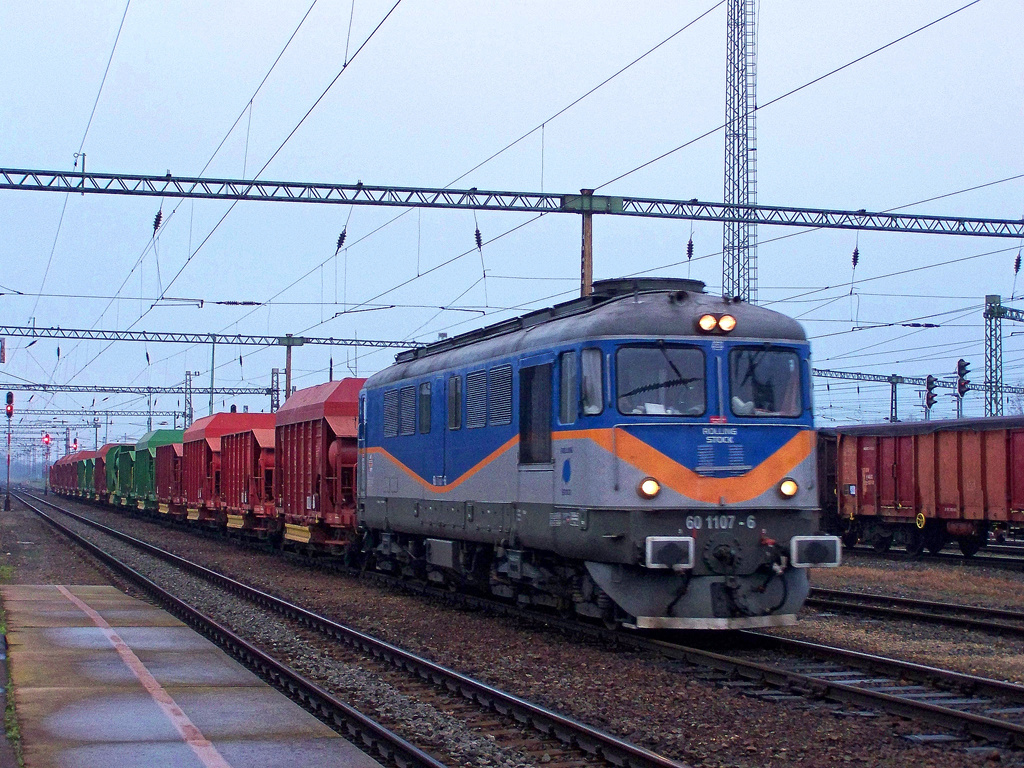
[101, 679]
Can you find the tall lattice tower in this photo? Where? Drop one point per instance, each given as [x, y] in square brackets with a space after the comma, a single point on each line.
[739, 239]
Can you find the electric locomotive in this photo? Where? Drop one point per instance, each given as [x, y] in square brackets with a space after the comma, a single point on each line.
[644, 455]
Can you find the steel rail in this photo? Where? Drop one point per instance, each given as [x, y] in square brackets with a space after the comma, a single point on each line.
[1008, 562]
[364, 731]
[959, 721]
[991, 729]
[570, 732]
[951, 614]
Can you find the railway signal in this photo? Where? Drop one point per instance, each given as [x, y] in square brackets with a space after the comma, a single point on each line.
[929, 397]
[962, 369]
[9, 410]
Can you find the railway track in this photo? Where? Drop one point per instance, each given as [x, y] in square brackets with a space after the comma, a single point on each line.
[510, 721]
[1009, 558]
[966, 706]
[994, 620]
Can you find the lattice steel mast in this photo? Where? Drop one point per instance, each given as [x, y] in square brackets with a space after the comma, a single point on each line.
[739, 238]
[994, 314]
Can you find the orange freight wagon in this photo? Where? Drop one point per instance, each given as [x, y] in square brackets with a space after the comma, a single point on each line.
[247, 469]
[924, 484]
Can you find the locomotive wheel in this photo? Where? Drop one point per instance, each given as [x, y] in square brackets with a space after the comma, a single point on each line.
[881, 543]
[969, 545]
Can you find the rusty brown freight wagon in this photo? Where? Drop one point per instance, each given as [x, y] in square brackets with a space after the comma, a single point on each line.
[316, 451]
[926, 484]
[201, 459]
[169, 495]
[247, 471]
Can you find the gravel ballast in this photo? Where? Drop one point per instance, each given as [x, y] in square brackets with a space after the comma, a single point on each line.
[648, 700]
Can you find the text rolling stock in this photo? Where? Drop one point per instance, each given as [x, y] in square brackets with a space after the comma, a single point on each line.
[644, 455]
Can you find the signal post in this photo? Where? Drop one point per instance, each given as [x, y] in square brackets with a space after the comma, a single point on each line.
[10, 412]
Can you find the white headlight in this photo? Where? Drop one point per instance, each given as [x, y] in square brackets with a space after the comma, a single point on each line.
[649, 488]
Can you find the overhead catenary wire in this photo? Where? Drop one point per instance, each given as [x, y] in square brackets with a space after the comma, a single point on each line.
[772, 101]
[216, 226]
[789, 93]
[213, 155]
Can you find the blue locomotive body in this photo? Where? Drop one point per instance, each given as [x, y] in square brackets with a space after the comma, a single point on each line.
[644, 456]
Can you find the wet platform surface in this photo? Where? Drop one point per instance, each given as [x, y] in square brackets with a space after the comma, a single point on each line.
[102, 679]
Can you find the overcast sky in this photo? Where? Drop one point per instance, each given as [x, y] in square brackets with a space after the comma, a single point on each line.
[437, 89]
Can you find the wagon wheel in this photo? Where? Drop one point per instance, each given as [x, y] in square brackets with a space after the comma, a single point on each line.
[969, 545]
[881, 543]
[935, 546]
[915, 542]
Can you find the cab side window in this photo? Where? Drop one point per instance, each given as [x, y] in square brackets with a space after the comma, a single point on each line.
[568, 397]
[592, 394]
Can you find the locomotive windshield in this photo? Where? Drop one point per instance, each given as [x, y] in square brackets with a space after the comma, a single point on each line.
[660, 380]
[764, 382]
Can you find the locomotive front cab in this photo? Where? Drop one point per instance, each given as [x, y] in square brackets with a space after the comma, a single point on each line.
[713, 450]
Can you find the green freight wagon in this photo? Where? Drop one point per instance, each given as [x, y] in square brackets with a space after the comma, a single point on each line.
[87, 473]
[145, 465]
[86, 465]
[120, 465]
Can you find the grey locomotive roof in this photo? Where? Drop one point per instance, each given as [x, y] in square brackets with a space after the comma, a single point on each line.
[887, 429]
[649, 307]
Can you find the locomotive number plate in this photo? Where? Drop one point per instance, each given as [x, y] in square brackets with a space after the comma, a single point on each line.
[719, 522]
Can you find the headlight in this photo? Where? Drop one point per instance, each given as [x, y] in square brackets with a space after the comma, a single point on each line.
[649, 488]
[788, 487]
[727, 322]
[707, 322]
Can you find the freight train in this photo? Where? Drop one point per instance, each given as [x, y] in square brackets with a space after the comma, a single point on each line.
[644, 456]
[924, 484]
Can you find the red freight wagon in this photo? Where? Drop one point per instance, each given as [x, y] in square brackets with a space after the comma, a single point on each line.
[169, 496]
[59, 475]
[930, 482]
[100, 472]
[66, 477]
[316, 454]
[247, 471]
[201, 458]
